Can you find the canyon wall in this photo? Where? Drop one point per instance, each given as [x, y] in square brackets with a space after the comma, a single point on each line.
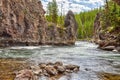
[22, 23]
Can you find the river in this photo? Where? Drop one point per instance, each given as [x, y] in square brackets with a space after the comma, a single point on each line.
[85, 54]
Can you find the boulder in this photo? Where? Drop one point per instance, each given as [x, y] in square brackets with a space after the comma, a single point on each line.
[25, 75]
[36, 70]
[108, 48]
[58, 63]
[60, 69]
[51, 70]
[42, 65]
[73, 68]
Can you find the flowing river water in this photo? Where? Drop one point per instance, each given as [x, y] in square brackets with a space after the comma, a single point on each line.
[92, 61]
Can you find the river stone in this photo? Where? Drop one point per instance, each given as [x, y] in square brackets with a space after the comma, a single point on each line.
[108, 48]
[51, 70]
[36, 70]
[25, 75]
[60, 69]
[58, 63]
[42, 65]
[49, 63]
[72, 67]
[76, 69]
[68, 71]
[44, 72]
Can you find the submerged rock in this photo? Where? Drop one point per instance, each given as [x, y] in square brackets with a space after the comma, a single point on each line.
[108, 48]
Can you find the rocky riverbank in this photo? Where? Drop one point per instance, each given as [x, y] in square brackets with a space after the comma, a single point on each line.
[50, 71]
[19, 69]
[106, 40]
[24, 24]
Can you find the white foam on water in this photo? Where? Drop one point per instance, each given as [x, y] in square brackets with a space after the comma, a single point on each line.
[26, 47]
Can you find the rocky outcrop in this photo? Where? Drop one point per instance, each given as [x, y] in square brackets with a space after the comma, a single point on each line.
[62, 36]
[106, 40]
[46, 70]
[24, 24]
[21, 24]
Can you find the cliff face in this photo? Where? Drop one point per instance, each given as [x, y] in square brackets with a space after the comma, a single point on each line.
[105, 39]
[62, 36]
[22, 22]
[107, 27]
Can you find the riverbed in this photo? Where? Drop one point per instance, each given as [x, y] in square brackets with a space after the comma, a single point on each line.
[95, 64]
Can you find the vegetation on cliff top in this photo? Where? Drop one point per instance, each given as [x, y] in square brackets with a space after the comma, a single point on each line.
[110, 19]
[85, 20]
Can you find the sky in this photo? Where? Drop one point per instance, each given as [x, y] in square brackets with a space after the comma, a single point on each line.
[75, 5]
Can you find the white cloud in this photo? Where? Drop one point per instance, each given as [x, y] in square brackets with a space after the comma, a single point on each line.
[75, 5]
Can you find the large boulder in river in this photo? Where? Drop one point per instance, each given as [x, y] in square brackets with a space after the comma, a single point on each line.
[22, 23]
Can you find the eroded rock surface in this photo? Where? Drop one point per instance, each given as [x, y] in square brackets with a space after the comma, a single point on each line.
[22, 22]
[106, 40]
[46, 70]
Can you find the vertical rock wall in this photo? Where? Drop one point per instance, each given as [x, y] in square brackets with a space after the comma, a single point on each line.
[106, 40]
[22, 22]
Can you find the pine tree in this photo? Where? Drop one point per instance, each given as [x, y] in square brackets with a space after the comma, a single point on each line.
[53, 11]
[49, 11]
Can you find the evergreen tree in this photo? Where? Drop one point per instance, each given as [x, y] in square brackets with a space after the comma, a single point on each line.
[53, 11]
[49, 11]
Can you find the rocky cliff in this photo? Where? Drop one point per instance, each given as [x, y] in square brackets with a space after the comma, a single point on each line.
[22, 23]
[117, 1]
[104, 38]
